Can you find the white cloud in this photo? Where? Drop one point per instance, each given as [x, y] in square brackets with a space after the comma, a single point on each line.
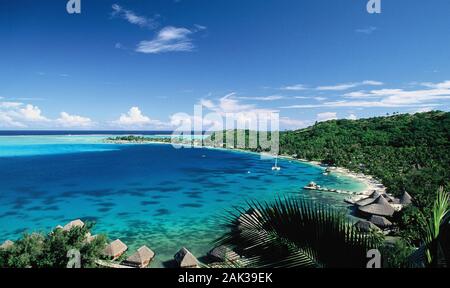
[134, 117]
[207, 103]
[32, 113]
[346, 86]
[352, 117]
[391, 98]
[337, 87]
[326, 116]
[296, 87]
[264, 98]
[424, 109]
[357, 94]
[7, 121]
[10, 104]
[228, 107]
[67, 120]
[289, 123]
[371, 83]
[169, 39]
[20, 115]
[442, 85]
[366, 30]
[133, 18]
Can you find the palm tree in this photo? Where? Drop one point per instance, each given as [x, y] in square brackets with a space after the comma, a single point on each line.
[435, 250]
[293, 232]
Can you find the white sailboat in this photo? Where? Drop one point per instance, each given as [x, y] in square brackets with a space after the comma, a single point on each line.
[276, 167]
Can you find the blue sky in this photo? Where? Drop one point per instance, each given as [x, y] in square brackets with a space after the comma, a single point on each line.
[136, 64]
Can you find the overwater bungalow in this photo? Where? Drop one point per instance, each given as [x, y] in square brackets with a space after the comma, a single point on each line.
[115, 249]
[185, 259]
[89, 238]
[380, 207]
[141, 258]
[223, 254]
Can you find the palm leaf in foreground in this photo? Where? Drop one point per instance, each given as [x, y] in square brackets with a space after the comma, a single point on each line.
[293, 232]
[435, 251]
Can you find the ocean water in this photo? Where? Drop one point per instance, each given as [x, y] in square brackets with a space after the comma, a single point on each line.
[152, 195]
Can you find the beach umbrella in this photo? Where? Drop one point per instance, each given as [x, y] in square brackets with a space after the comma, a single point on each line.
[185, 259]
[380, 207]
[115, 249]
[141, 258]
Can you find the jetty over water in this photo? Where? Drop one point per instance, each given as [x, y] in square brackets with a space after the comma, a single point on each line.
[315, 187]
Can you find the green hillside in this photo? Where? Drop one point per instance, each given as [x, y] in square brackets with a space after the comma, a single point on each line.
[407, 152]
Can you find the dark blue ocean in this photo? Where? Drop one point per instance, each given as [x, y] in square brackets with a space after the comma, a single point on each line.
[152, 195]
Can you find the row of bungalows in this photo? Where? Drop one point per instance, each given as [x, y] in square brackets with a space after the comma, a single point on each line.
[378, 208]
[115, 250]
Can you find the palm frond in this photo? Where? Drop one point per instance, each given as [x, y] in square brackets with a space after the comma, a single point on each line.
[293, 232]
[434, 250]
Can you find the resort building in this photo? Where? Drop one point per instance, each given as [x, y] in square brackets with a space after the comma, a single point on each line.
[115, 249]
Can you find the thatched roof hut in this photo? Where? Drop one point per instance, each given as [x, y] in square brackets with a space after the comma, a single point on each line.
[380, 207]
[365, 201]
[405, 199]
[375, 194]
[223, 254]
[74, 223]
[388, 198]
[366, 226]
[369, 200]
[7, 244]
[380, 221]
[115, 249]
[185, 259]
[89, 238]
[141, 258]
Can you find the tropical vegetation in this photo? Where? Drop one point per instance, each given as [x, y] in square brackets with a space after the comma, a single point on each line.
[294, 232]
[407, 152]
[38, 250]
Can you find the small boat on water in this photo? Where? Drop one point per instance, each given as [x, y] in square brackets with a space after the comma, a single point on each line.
[312, 186]
[276, 167]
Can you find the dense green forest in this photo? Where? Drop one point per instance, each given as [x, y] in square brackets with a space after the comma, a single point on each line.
[407, 152]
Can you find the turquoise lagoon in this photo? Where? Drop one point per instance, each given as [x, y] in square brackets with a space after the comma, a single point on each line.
[152, 195]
